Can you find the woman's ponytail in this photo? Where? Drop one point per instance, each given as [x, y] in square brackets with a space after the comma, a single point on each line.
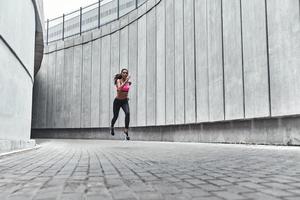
[117, 76]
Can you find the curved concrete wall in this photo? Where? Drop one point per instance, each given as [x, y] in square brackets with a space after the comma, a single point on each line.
[191, 61]
[20, 22]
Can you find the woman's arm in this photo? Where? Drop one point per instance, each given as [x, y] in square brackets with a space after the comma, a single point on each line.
[121, 85]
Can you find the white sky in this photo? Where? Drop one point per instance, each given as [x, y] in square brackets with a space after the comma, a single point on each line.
[56, 8]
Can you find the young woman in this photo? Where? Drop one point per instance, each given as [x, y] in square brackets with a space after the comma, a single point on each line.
[122, 84]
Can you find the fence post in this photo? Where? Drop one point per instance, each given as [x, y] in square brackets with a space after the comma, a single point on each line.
[80, 20]
[63, 28]
[99, 13]
[47, 31]
[118, 10]
[136, 4]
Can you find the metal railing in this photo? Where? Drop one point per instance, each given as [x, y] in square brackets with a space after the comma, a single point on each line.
[88, 18]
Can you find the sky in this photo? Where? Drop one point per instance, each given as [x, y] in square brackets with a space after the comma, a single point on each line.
[56, 8]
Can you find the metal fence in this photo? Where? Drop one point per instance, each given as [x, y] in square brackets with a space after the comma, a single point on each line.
[88, 18]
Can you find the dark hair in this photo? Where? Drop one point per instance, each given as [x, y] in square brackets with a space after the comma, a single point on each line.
[119, 76]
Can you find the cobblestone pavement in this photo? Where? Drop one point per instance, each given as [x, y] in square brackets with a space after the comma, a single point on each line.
[95, 169]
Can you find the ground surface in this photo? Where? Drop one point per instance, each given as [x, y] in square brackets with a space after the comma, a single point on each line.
[95, 169]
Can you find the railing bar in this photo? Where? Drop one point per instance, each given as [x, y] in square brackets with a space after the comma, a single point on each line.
[47, 31]
[118, 9]
[63, 28]
[99, 6]
[80, 20]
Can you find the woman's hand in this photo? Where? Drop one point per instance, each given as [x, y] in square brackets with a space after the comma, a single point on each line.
[127, 78]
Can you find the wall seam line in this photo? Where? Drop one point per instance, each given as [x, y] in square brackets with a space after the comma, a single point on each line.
[223, 67]
[268, 59]
[137, 71]
[242, 51]
[146, 66]
[81, 80]
[155, 64]
[184, 57]
[100, 61]
[195, 63]
[165, 62]
[173, 55]
[207, 61]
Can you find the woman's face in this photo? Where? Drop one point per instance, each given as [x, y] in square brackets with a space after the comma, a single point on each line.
[124, 74]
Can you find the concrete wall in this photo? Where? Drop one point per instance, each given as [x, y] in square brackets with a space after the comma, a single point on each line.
[18, 55]
[191, 61]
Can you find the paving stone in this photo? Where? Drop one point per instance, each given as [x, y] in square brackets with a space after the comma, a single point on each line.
[195, 192]
[259, 196]
[277, 192]
[229, 195]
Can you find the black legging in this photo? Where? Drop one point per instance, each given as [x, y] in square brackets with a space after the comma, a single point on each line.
[118, 103]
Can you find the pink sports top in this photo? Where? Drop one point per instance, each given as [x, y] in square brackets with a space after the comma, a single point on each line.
[126, 87]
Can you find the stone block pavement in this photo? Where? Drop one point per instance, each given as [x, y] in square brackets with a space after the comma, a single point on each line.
[127, 170]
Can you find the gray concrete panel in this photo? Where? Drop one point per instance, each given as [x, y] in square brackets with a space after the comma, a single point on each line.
[86, 85]
[201, 43]
[105, 82]
[233, 69]
[50, 88]
[132, 16]
[123, 21]
[95, 83]
[124, 48]
[42, 109]
[189, 62]
[179, 62]
[35, 103]
[16, 98]
[151, 68]
[132, 63]
[105, 30]
[114, 26]
[123, 59]
[76, 92]
[68, 83]
[15, 18]
[142, 68]
[284, 59]
[38, 82]
[150, 4]
[215, 65]
[115, 59]
[255, 59]
[161, 64]
[96, 34]
[170, 63]
[59, 87]
[142, 10]
[36, 100]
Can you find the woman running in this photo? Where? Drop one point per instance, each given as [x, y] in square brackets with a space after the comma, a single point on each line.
[122, 84]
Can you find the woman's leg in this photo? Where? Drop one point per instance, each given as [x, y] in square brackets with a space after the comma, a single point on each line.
[116, 109]
[125, 107]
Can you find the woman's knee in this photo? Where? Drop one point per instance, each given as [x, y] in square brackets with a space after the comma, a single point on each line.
[116, 116]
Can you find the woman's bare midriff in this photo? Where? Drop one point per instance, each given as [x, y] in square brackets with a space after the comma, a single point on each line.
[122, 95]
